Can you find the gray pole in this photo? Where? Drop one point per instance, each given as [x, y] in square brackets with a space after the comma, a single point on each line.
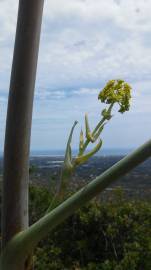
[19, 116]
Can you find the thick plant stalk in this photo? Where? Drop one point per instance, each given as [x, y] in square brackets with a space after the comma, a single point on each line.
[19, 115]
[24, 242]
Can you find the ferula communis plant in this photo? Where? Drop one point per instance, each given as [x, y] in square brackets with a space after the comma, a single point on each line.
[115, 92]
[19, 239]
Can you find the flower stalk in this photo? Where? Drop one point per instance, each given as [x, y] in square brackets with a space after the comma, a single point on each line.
[115, 92]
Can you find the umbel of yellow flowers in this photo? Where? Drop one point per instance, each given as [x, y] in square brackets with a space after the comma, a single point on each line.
[116, 91]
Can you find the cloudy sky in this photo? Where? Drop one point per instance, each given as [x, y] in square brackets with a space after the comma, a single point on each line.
[84, 44]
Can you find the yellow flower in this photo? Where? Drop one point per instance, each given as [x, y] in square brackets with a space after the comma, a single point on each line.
[117, 91]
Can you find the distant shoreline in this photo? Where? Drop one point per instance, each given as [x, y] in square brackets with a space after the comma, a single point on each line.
[60, 153]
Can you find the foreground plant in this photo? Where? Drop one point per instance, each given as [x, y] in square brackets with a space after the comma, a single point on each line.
[115, 92]
[18, 239]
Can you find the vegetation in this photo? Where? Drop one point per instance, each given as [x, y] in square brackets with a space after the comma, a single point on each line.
[19, 239]
[112, 235]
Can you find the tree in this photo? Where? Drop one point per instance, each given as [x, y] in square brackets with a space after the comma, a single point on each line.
[19, 240]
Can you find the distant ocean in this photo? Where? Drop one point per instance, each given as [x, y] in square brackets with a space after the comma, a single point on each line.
[55, 153]
[103, 152]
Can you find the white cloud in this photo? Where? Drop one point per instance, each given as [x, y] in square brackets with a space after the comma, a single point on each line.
[87, 42]
[86, 91]
[8, 11]
[84, 43]
[128, 14]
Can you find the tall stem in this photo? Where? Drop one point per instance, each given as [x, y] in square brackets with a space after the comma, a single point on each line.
[19, 115]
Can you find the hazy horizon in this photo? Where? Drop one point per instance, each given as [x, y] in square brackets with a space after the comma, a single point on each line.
[57, 152]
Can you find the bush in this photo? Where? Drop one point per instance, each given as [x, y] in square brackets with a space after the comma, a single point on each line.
[114, 235]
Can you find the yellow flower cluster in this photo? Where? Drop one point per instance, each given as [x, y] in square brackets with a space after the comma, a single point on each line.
[117, 91]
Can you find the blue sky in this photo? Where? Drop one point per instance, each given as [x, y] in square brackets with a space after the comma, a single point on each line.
[84, 44]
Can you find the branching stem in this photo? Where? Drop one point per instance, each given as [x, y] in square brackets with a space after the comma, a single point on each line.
[101, 122]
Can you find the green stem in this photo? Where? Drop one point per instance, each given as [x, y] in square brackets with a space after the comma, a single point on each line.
[62, 189]
[94, 131]
[102, 120]
[82, 159]
[24, 242]
[66, 173]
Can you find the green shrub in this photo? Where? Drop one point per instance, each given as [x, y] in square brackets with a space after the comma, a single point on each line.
[114, 235]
